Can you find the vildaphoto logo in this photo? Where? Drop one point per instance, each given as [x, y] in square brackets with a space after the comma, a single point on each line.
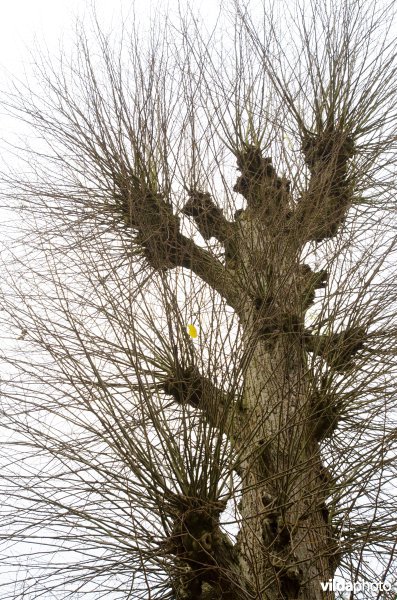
[340, 585]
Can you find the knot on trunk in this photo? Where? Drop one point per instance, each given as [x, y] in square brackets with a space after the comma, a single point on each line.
[289, 575]
[338, 349]
[196, 533]
[272, 321]
[311, 281]
[263, 189]
[323, 208]
[207, 554]
[329, 146]
[151, 215]
[185, 385]
[325, 411]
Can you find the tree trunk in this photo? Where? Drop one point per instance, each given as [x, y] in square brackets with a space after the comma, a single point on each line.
[285, 537]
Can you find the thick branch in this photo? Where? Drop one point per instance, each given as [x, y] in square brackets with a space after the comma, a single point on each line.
[210, 270]
[256, 170]
[208, 217]
[310, 282]
[188, 386]
[211, 222]
[338, 348]
[165, 247]
[326, 407]
[324, 206]
[266, 193]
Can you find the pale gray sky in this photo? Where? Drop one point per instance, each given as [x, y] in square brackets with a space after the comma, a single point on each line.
[48, 21]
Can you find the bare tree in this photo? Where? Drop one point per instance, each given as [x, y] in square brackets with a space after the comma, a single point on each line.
[256, 459]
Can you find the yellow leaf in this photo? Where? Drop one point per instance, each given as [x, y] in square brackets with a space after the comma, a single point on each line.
[192, 331]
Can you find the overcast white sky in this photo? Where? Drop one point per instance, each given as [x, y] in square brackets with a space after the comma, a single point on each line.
[23, 21]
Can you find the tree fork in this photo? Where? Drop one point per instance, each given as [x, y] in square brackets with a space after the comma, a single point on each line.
[164, 247]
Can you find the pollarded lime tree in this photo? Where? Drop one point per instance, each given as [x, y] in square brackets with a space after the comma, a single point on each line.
[254, 460]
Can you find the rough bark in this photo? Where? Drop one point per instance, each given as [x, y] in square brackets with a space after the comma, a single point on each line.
[323, 206]
[285, 536]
